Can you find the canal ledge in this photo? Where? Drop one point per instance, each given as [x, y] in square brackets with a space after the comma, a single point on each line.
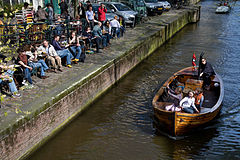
[50, 109]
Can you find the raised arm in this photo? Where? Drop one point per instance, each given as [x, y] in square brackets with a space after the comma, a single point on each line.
[174, 95]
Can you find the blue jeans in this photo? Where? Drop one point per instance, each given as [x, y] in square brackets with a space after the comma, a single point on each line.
[27, 75]
[65, 53]
[108, 37]
[40, 64]
[12, 85]
[188, 110]
[116, 31]
[44, 65]
[122, 30]
[104, 41]
[76, 51]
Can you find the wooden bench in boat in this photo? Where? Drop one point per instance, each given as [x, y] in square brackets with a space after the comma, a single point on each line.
[192, 84]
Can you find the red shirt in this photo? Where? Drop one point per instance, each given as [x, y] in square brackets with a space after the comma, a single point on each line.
[23, 58]
[101, 14]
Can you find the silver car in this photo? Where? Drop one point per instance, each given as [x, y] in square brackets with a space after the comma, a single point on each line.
[122, 10]
[109, 15]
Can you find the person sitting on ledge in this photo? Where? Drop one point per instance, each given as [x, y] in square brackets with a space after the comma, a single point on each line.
[188, 103]
[23, 61]
[75, 46]
[35, 63]
[52, 55]
[99, 37]
[61, 51]
[6, 77]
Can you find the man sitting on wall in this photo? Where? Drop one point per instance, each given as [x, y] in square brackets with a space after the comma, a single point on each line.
[35, 63]
[62, 52]
[23, 61]
[52, 55]
[6, 77]
[99, 38]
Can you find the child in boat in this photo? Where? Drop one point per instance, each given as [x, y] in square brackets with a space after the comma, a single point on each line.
[177, 97]
[199, 98]
[188, 103]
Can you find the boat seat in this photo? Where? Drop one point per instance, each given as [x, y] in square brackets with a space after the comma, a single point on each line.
[204, 110]
[192, 84]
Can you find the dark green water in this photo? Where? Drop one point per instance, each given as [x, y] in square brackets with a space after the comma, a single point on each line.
[120, 124]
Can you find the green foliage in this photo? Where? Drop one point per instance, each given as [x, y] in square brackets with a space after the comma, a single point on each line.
[8, 11]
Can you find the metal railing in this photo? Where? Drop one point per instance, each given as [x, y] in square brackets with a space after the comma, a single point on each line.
[35, 33]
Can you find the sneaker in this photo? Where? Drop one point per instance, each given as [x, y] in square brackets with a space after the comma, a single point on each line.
[30, 86]
[69, 66]
[24, 82]
[75, 60]
[60, 70]
[17, 95]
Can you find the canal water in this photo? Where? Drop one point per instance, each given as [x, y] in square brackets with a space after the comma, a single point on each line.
[120, 124]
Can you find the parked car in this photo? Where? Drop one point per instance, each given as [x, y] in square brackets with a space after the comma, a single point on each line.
[136, 5]
[109, 15]
[122, 10]
[166, 5]
[153, 7]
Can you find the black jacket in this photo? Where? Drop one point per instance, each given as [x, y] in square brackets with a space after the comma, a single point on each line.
[63, 7]
[83, 12]
[207, 69]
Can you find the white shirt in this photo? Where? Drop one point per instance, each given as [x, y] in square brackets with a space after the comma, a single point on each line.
[50, 51]
[187, 102]
[115, 23]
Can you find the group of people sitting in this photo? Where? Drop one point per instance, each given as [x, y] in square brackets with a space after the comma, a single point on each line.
[189, 104]
[51, 57]
[44, 58]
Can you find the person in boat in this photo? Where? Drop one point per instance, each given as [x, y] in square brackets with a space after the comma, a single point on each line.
[206, 72]
[199, 98]
[188, 103]
[176, 96]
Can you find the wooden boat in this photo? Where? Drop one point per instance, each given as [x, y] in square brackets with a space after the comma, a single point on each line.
[180, 123]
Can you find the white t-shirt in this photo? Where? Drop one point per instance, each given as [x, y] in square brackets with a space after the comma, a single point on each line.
[115, 23]
[187, 102]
